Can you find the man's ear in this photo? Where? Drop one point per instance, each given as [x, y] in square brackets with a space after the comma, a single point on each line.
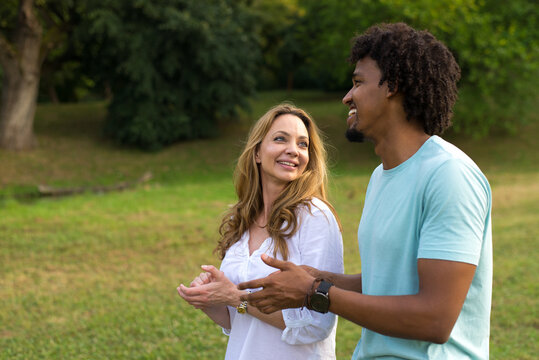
[395, 91]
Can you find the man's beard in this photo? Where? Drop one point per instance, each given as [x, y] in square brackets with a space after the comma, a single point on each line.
[354, 135]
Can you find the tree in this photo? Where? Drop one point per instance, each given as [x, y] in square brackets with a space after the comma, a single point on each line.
[495, 45]
[21, 60]
[28, 31]
[174, 66]
[276, 27]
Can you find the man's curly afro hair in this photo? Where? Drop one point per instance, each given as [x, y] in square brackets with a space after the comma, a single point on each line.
[419, 66]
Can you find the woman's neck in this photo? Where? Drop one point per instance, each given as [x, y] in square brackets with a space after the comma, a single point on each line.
[270, 193]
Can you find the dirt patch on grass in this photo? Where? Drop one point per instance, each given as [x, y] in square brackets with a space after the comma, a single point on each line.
[514, 189]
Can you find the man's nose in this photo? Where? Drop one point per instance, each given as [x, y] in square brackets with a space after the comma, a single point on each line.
[347, 99]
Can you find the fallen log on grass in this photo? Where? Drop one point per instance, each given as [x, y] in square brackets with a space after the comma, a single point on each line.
[45, 190]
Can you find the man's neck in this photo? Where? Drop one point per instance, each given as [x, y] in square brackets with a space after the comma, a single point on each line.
[399, 145]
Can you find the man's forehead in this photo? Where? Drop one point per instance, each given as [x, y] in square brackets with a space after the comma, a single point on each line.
[364, 65]
[357, 70]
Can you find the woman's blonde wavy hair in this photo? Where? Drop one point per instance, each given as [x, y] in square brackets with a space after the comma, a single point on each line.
[311, 183]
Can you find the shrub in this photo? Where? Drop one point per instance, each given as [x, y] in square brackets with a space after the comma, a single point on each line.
[174, 66]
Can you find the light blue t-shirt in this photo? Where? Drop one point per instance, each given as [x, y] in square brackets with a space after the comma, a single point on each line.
[435, 205]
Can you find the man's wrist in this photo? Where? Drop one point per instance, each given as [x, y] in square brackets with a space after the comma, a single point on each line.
[328, 276]
[319, 298]
[310, 291]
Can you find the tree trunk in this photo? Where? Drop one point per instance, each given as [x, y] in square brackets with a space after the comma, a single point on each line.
[290, 81]
[108, 91]
[53, 95]
[21, 62]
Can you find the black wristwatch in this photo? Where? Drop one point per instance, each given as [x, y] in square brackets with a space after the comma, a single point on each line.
[319, 300]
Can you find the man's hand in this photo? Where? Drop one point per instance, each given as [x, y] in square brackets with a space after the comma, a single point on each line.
[282, 289]
[312, 271]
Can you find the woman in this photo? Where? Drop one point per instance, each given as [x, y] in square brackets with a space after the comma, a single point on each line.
[282, 210]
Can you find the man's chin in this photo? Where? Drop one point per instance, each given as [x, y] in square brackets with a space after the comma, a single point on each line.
[354, 135]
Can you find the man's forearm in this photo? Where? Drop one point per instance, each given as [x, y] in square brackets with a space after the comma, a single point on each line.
[399, 316]
[428, 315]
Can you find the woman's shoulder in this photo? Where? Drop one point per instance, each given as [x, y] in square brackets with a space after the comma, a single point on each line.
[316, 207]
[317, 218]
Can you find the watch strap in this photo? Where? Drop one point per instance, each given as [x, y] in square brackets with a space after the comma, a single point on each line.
[323, 287]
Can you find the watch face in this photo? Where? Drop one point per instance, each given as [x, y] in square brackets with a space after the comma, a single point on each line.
[320, 302]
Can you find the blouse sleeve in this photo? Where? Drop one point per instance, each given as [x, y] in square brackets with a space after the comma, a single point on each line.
[320, 246]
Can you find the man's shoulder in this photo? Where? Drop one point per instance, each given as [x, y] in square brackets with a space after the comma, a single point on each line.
[451, 168]
[441, 153]
[444, 149]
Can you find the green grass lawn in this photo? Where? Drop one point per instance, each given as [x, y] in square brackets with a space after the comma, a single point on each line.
[94, 276]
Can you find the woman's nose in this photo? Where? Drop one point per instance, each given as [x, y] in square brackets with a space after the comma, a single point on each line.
[292, 149]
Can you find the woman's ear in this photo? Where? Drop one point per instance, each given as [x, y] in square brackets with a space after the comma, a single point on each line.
[257, 158]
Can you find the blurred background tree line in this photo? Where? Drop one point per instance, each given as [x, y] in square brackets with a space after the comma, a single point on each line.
[172, 69]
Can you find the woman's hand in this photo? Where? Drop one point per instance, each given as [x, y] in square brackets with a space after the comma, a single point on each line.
[202, 279]
[210, 289]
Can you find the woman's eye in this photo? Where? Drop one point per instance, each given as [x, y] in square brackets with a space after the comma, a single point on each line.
[279, 138]
[304, 144]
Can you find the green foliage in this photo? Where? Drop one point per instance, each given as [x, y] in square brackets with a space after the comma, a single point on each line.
[497, 48]
[174, 66]
[324, 31]
[277, 29]
[496, 45]
[8, 15]
[62, 77]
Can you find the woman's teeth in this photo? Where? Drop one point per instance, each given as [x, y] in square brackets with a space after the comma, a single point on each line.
[287, 163]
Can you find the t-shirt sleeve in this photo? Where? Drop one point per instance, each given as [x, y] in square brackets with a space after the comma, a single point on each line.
[320, 245]
[455, 208]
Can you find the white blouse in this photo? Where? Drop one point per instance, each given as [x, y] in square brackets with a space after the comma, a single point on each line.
[308, 334]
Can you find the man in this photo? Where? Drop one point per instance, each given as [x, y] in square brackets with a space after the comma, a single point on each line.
[425, 232]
